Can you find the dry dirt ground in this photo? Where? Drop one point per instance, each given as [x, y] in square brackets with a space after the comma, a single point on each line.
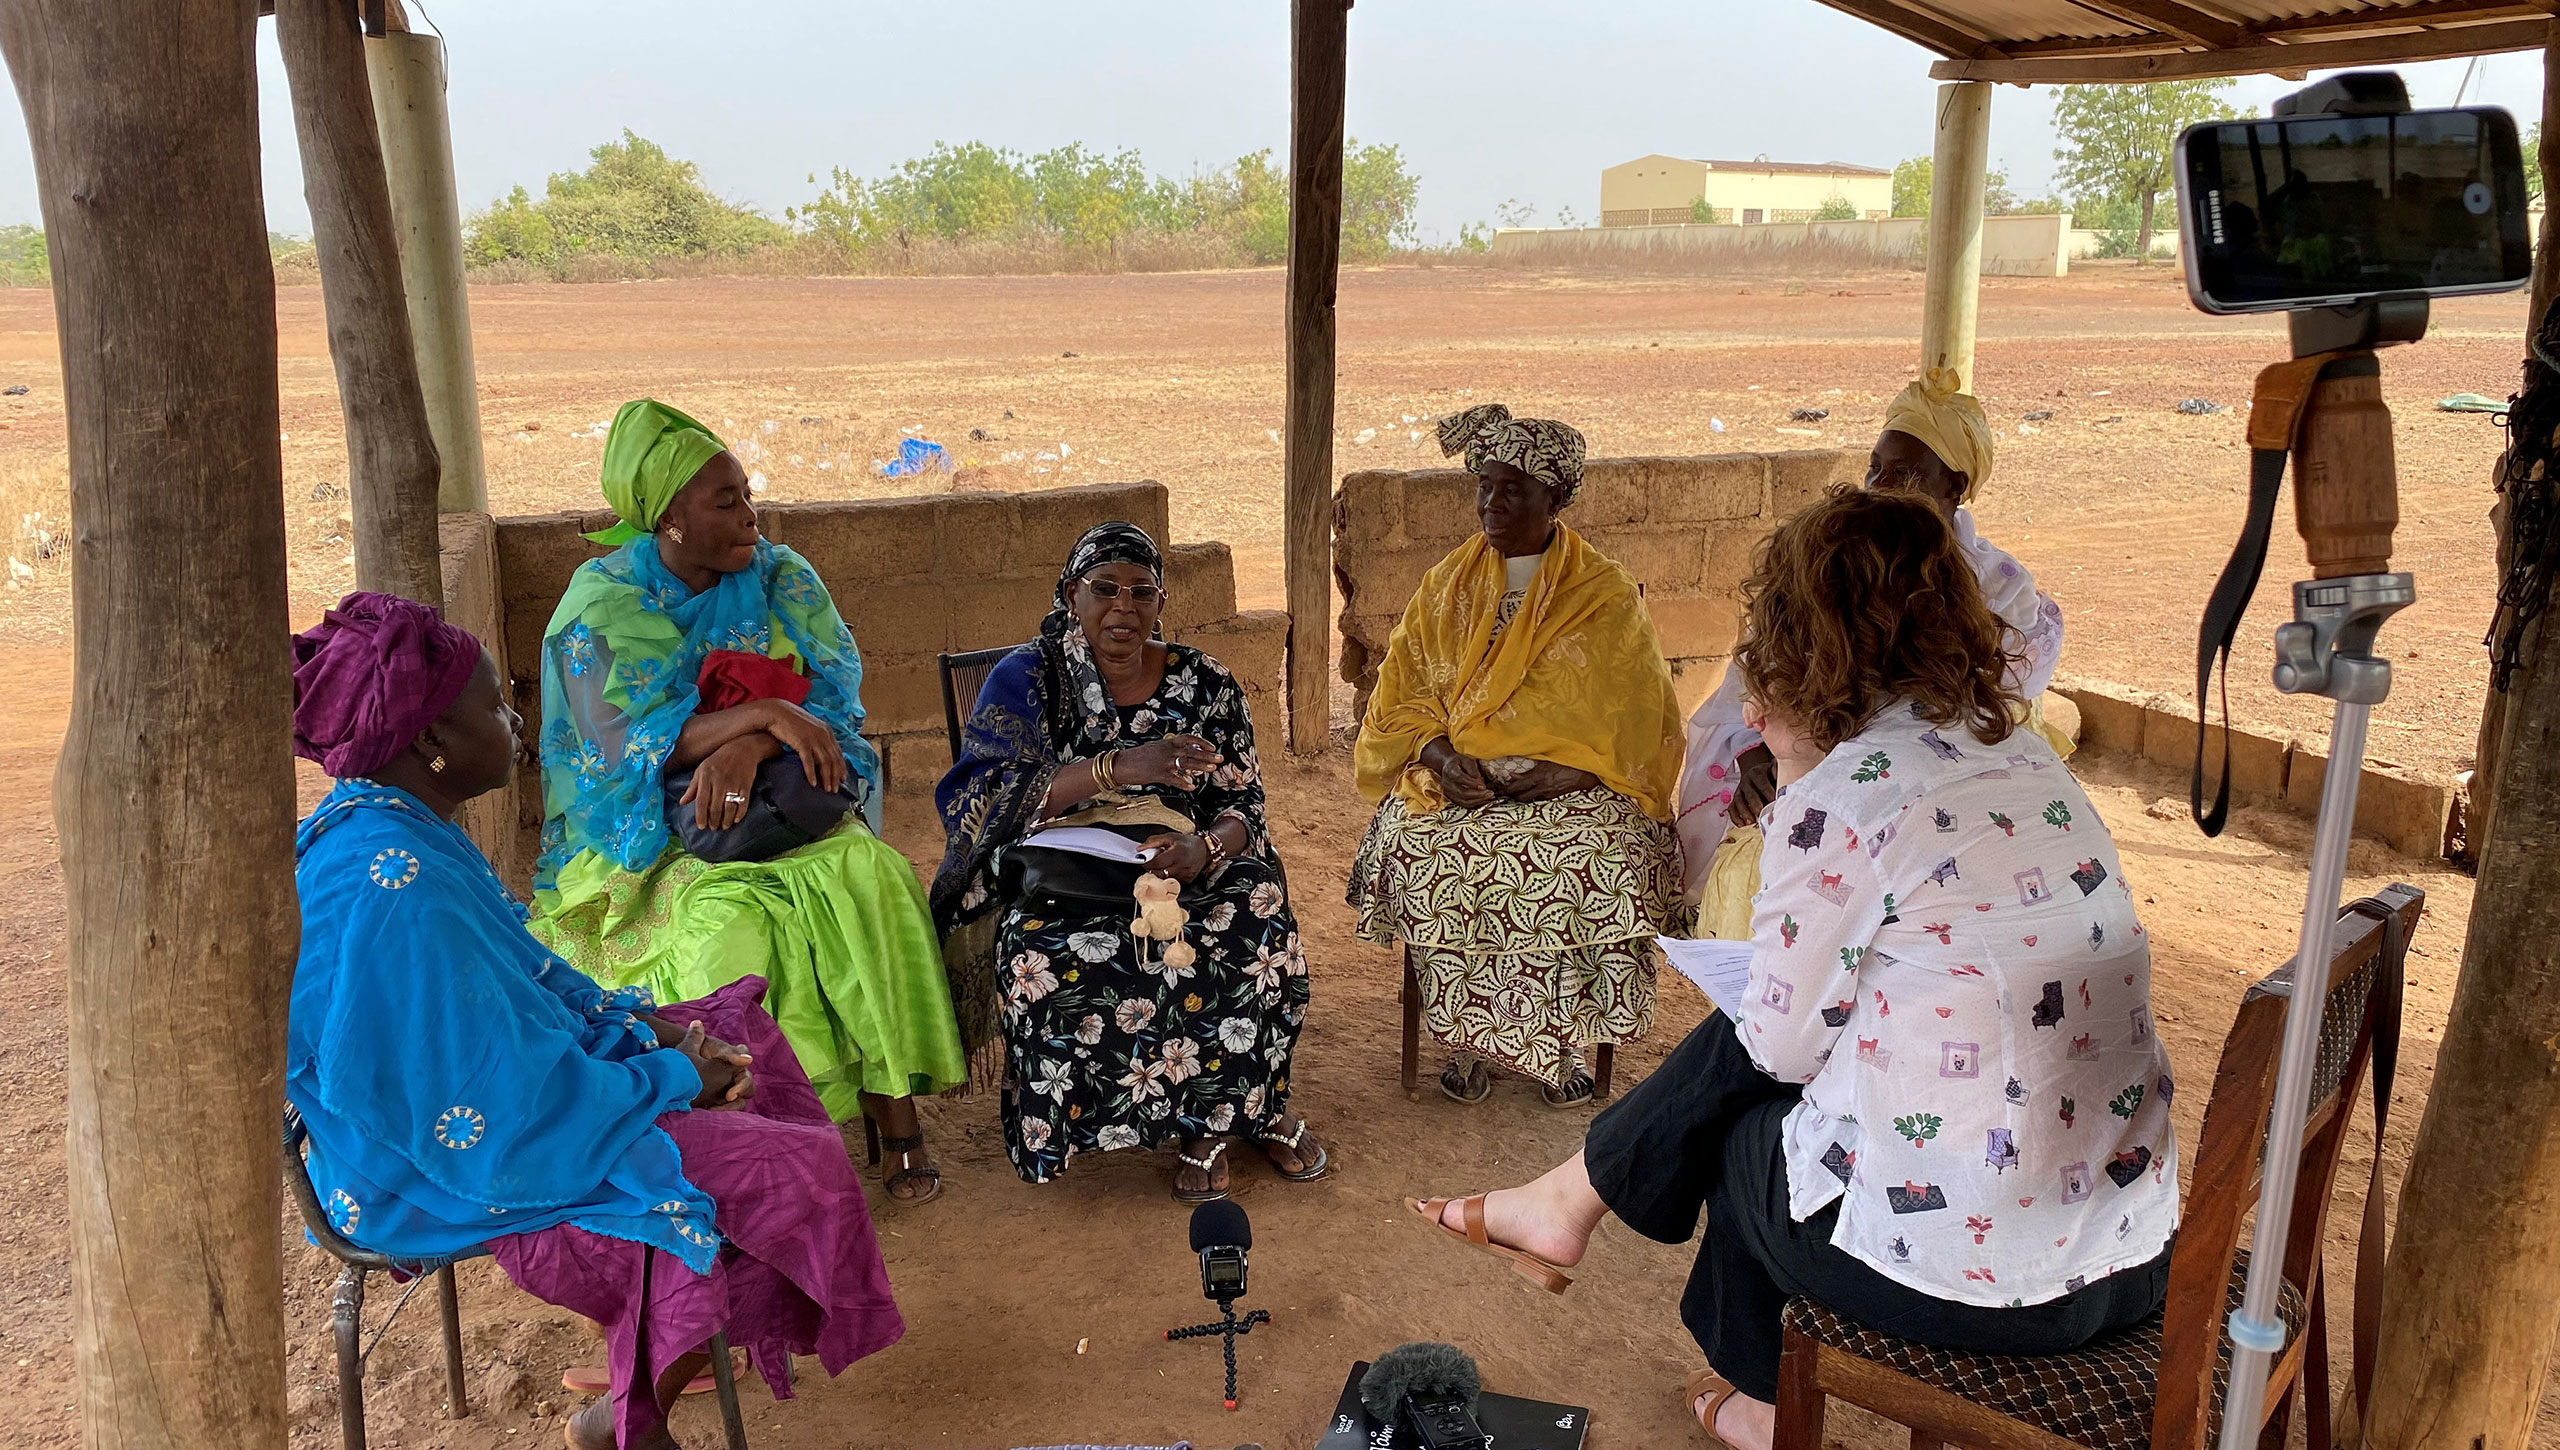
[1034, 1314]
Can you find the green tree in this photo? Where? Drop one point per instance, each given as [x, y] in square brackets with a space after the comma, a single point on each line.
[1378, 198]
[2117, 140]
[1911, 180]
[633, 201]
[2533, 168]
[1836, 209]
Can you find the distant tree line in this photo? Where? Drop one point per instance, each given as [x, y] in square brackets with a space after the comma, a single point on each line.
[1070, 207]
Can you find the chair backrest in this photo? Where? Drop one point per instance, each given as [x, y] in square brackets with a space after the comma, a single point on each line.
[963, 675]
[2365, 964]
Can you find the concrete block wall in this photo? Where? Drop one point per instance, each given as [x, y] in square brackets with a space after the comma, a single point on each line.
[1685, 527]
[913, 577]
[2410, 811]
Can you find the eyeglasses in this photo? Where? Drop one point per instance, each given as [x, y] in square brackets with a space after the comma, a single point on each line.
[1138, 593]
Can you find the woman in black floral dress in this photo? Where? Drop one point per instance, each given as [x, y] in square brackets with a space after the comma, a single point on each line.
[1114, 1042]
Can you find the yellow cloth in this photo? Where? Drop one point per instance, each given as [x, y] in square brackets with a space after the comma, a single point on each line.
[1949, 422]
[1576, 678]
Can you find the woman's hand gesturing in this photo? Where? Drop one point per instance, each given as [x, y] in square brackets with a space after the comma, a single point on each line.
[1179, 761]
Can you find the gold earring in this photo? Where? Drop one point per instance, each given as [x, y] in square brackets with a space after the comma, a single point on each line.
[675, 534]
[436, 765]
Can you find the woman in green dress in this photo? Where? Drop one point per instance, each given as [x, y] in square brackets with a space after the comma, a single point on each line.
[838, 926]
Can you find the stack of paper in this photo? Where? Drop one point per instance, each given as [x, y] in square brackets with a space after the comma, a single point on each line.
[1721, 969]
[1090, 841]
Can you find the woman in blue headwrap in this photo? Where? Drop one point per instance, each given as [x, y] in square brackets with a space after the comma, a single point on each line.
[694, 599]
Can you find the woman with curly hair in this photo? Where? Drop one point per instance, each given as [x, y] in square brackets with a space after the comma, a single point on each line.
[1936, 446]
[1522, 747]
[1948, 985]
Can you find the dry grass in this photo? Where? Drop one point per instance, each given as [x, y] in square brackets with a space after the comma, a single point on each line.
[35, 507]
[927, 257]
[1660, 254]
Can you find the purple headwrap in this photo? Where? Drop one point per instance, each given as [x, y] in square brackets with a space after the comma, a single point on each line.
[373, 673]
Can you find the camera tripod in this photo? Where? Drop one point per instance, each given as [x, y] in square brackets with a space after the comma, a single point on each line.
[2324, 406]
[1229, 1328]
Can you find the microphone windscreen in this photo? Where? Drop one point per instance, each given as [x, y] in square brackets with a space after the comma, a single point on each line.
[1418, 1369]
[1220, 1224]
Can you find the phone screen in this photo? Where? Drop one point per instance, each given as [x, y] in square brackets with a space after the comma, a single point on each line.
[2324, 209]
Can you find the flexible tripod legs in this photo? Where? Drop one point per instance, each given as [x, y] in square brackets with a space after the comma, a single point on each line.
[1227, 1328]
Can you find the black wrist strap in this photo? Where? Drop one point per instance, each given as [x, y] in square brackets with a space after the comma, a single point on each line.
[2222, 614]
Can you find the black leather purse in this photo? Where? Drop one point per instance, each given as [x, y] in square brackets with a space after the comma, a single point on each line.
[784, 812]
[1072, 878]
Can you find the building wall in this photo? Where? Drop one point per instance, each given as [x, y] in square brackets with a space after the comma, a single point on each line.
[1659, 190]
[914, 578]
[2012, 246]
[1685, 527]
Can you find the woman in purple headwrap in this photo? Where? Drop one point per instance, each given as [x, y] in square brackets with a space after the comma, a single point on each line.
[462, 1085]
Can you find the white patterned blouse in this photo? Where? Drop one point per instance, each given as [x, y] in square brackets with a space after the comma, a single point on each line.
[1944, 950]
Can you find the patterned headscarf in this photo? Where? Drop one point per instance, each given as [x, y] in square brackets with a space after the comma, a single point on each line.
[652, 452]
[1949, 422]
[370, 675]
[1547, 451]
[1063, 640]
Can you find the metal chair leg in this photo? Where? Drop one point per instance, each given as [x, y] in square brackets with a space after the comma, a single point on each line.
[457, 1395]
[346, 1326]
[1604, 1076]
[870, 1140]
[1412, 1022]
[724, 1378]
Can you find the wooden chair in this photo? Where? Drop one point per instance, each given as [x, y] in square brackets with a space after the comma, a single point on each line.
[1604, 1059]
[2160, 1385]
[963, 676]
[346, 1308]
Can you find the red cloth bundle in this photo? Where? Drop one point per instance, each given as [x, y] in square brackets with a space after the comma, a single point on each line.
[732, 677]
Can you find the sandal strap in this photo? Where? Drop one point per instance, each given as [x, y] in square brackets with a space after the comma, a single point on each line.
[912, 1143]
[1208, 1164]
[1291, 1140]
[1471, 1214]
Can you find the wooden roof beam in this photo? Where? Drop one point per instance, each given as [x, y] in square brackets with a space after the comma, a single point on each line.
[2258, 58]
[1920, 28]
[2172, 18]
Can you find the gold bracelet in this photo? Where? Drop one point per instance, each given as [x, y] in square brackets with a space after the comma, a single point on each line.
[1102, 771]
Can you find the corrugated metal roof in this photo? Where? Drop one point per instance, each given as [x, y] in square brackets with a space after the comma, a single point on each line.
[2135, 40]
[1795, 168]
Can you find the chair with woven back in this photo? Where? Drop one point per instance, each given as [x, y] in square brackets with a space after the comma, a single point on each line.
[2160, 1385]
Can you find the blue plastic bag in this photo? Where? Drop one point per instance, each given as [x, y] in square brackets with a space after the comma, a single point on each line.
[916, 455]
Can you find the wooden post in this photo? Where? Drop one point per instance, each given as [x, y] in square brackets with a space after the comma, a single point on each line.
[2471, 1296]
[2546, 289]
[174, 797]
[417, 158]
[1956, 178]
[1319, 42]
[393, 474]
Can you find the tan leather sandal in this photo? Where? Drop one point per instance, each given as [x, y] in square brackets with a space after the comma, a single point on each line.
[1715, 1389]
[1471, 1213]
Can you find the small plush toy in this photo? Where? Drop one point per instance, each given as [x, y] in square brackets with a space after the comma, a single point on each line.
[1161, 918]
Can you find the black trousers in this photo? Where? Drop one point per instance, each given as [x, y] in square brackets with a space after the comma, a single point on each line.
[1705, 1132]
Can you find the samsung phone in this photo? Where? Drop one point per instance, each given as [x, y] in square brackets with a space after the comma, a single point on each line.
[2323, 211]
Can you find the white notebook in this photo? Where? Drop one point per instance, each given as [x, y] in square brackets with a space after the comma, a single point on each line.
[1721, 969]
[1091, 841]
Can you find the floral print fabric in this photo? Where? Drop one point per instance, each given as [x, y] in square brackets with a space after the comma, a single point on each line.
[1531, 924]
[1945, 951]
[1112, 1048]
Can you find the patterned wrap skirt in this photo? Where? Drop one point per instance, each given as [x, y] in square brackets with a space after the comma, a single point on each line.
[1530, 925]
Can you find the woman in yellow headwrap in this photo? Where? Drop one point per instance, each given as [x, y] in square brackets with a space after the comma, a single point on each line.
[1522, 746]
[698, 646]
[1936, 443]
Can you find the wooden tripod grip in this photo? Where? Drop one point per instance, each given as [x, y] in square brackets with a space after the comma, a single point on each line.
[2346, 483]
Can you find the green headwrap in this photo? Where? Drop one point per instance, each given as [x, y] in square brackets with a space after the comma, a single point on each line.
[652, 452]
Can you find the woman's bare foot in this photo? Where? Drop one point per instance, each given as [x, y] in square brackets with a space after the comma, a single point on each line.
[906, 1169]
[1741, 1421]
[1293, 1158]
[1552, 1216]
[592, 1427]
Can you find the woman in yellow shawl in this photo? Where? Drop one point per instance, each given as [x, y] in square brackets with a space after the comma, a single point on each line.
[1523, 746]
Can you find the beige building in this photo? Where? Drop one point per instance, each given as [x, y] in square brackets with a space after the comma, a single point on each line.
[1659, 190]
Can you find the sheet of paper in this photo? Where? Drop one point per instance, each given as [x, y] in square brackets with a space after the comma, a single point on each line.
[1090, 841]
[1721, 969]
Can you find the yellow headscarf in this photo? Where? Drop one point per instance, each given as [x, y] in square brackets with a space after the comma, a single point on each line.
[652, 452]
[1950, 422]
[1577, 677]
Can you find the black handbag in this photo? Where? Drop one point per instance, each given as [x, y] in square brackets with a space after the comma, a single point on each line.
[1072, 878]
[784, 812]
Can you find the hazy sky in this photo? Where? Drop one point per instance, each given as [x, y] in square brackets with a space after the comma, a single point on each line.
[1490, 99]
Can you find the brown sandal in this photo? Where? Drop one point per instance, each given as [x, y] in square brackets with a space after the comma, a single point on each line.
[1716, 1389]
[1471, 1212]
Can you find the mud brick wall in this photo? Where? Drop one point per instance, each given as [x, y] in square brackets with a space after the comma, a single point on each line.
[1685, 527]
[913, 577]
